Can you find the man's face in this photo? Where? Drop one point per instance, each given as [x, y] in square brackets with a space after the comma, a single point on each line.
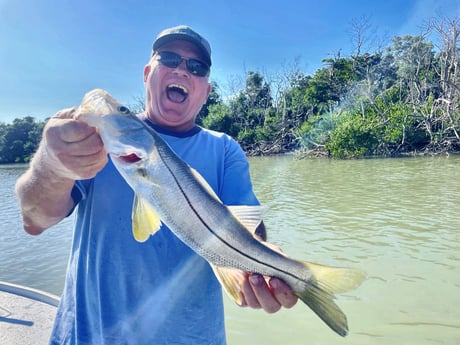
[174, 96]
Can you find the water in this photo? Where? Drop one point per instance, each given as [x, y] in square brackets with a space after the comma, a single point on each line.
[34, 261]
[397, 219]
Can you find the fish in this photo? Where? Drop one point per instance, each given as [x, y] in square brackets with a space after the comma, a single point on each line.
[168, 191]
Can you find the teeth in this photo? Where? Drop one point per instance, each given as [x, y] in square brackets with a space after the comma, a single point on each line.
[183, 88]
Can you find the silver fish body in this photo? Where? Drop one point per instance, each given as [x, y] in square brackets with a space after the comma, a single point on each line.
[167, 189]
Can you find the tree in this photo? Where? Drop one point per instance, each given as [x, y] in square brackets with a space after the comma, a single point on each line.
[219, 119]
[447, 105]
[214, 98]
[20, 140]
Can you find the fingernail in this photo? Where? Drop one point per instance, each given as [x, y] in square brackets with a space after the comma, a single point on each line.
[274, 283]
[255, 279]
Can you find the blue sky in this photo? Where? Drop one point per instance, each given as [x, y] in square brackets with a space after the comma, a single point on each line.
[54, 51]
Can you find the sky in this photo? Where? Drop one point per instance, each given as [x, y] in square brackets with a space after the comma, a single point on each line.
[54, 51]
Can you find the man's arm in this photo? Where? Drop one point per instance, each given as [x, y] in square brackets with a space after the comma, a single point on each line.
[69, 150]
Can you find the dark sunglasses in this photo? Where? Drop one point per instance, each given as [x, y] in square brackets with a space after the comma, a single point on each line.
[172, 60]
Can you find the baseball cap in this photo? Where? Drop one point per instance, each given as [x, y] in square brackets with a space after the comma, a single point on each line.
[185, 33]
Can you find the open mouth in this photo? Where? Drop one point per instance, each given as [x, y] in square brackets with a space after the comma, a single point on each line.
[176, 93]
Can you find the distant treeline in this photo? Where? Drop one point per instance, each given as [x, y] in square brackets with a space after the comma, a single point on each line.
[398, 99]
[19, 139]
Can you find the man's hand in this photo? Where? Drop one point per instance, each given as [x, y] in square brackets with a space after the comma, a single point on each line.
[74, 149]
[267, 293]
[70, 150]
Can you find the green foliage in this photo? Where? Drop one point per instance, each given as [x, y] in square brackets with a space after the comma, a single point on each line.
[372, 104]
[353, 138]
[219, 118]
[403, 98]
[316, 130]
[19, 140]
[213, 99]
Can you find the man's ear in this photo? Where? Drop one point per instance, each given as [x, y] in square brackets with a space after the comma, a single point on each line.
[208, 92]
[147, 69]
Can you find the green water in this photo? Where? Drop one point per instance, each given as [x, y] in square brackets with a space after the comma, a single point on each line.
[397, 219]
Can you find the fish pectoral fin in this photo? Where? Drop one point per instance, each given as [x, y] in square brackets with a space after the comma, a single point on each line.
[231, 280]
[146, 221]
[249, 216]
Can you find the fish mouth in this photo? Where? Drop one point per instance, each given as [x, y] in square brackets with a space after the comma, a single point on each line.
[176, 93]
[129, 158]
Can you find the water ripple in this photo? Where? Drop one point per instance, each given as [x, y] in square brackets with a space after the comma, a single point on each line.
[395, 219]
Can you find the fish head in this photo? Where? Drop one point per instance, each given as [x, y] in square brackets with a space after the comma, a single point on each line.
[124, 135]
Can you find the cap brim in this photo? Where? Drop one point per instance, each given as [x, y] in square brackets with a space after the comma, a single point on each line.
[181, 37]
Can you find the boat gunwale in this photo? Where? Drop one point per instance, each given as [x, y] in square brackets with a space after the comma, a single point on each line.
[30, 293]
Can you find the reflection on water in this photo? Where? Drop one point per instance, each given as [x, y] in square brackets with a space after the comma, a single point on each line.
[397, 219]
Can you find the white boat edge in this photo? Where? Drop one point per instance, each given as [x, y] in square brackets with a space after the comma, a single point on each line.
[31, 293]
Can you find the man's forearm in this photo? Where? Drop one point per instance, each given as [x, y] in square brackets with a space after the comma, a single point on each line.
[44, 198]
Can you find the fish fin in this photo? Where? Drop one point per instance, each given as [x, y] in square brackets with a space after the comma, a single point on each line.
[319, 296]
[336, 279]
[231, 280]
[322, 303]
[249, 216]
[146, 221]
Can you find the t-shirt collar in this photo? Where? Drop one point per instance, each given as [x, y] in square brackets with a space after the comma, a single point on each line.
[179, 134]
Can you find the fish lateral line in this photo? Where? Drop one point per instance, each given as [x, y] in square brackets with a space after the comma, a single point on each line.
[203, 222]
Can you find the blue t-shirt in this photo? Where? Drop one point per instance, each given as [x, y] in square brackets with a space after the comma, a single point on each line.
[119, 291]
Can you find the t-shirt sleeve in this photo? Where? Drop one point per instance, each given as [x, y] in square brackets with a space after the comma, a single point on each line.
[78, 193]
[237, 186]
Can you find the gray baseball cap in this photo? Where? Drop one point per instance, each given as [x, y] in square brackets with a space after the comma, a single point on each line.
[185, 33]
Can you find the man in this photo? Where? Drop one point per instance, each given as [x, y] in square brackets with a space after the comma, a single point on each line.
[119, 291]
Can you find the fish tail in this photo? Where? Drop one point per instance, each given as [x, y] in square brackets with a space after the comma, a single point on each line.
[319, 293]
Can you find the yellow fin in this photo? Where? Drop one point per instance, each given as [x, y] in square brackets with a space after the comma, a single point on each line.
[319, 294]
[146, 221]
[231, 280]
[336, 279]
[322, 303]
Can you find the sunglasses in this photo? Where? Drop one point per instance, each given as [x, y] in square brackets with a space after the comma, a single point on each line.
[172, 60]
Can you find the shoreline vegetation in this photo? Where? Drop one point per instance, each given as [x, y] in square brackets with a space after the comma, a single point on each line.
[396, 99]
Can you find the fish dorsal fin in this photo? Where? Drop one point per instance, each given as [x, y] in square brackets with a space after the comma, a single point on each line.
[249, 216]
[146, 221]
[231, 280]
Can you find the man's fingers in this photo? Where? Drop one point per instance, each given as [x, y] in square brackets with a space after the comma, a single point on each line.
[250, 299]
[282, 293]
[263, 294]
[75, 131]
[67, 113]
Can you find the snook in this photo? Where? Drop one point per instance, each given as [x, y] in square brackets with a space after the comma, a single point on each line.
[168, 190]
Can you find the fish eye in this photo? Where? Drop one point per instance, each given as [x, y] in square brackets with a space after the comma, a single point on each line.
[122, 109]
